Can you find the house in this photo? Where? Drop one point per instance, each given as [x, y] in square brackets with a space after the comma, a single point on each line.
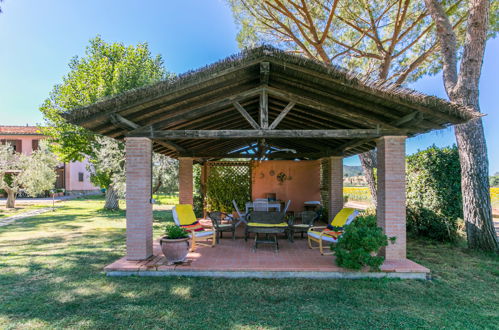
[73, 177]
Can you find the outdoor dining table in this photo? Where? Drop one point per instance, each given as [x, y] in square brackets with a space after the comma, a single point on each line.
[275, 206]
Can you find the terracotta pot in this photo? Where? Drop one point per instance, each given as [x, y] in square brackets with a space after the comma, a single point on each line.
[175, 250]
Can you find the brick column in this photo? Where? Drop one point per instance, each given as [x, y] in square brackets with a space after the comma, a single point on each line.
[335, 186]
[138, 198]
[185, 180]
[391, 193]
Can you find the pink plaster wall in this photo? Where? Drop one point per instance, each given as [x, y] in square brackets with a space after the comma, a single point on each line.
[302, 183]
[72, 169]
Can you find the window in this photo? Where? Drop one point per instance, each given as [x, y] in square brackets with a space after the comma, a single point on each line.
[80, 176]
[16, 144]
[34, 145]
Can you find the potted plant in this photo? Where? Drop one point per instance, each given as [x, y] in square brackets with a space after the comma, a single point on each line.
[175, 244]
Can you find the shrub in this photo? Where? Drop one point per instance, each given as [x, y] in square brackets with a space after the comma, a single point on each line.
[434, 200]
[360, 243]
[173, 231]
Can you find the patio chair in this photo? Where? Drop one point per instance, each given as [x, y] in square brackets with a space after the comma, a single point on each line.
[286, 207]
[184, 216]
[241, 215]
[220, 226]
[308, 219]
[333, 231]
[261, 205]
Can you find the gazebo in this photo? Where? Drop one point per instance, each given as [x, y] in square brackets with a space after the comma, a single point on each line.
[267, 104]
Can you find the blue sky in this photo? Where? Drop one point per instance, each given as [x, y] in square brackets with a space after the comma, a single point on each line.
[38, 38]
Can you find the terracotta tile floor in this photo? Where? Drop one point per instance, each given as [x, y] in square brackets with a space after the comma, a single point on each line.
[238, 255]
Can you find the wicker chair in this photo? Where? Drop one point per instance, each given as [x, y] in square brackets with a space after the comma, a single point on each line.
[222, 223]
[308, 219]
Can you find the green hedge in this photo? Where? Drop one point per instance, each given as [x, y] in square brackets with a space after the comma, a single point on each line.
[434, 199]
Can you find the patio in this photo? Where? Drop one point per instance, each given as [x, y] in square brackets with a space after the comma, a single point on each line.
[267, 106]
[235, 258]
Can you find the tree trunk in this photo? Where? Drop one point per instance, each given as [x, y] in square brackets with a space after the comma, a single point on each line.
[112, 202]
[11, 198]
[369, 162]
[477, 207]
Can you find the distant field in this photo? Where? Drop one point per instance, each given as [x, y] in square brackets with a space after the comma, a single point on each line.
[363, 194]
[494, 196]
[357, 193]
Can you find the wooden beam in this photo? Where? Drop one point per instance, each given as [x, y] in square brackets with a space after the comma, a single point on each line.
[282, 115]
[280, 155]
[122, 122]
[201, 111]
[266, 133]
[171, 145]
[327, 107]
[264, 109]
[264, 73]
[246, 115]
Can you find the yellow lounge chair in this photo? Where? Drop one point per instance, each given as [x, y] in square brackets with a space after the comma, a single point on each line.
[323, 234]
[184, 216]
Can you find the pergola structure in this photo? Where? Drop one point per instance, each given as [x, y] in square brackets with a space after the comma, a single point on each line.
[267, 104]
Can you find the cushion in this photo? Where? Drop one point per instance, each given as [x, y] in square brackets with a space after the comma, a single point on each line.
[196, 226]
[326, 238]
[256, 224]
[185, 214]
[344, 217]
[202, 233]
[301, 225]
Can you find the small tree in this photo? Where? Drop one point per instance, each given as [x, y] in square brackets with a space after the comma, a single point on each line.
[107, 169]
[165, 174]
[34, 173]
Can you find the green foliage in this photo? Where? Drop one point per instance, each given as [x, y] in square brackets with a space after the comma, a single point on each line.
[227, 183]
[359, 243]
[173, 231]
[197, 193]
[107, 166]
[34, 173]
[494, 180]
[106, 69]
[370, 37]
[165, 174]
[434, 199]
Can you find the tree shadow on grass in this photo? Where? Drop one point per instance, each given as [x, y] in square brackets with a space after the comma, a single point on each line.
[58, 281]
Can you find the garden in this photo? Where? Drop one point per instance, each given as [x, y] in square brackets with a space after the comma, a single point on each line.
[51, 277]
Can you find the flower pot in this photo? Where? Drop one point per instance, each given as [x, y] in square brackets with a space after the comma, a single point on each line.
[175, 250]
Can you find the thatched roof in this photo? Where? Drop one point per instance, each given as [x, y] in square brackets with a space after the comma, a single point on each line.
[326, 97]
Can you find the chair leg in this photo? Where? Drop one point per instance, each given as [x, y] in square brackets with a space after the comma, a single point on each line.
[193, 245]
[213, 239]
[309, 243]
[234, 234]
[301, 234]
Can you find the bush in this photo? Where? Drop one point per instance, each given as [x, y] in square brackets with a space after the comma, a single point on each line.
[360, 243]
[434, 199]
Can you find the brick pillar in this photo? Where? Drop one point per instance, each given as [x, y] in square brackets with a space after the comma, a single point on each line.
[138, 198]
[185, 180]
[391, 193]
[335, 186]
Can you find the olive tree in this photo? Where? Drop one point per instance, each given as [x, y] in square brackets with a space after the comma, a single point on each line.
[34, 173]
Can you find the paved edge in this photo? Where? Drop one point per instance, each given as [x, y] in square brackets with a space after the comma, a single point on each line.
[29, 214]
[274, 275]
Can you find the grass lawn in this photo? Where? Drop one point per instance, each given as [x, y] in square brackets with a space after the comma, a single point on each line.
[51, 276]
[5, 212]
